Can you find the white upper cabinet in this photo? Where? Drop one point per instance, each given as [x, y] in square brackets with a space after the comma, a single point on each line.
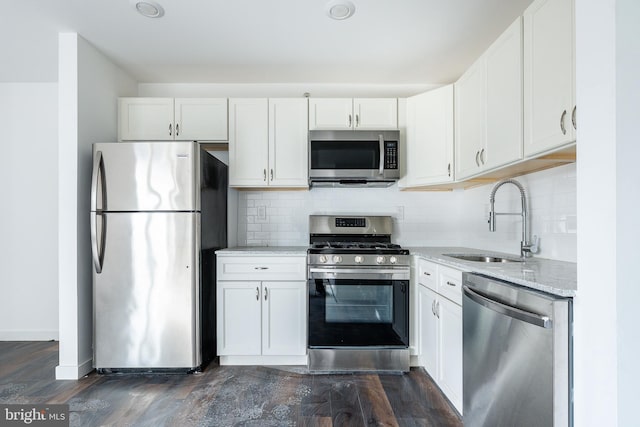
[356, 114]
[470, 120]
[145, 119]
[201, 119]
[248, 142]
[549, 75]
[268, 142]
[169, 119]
[504, 98]
[430, 137]
[489, 107]
[288, 146]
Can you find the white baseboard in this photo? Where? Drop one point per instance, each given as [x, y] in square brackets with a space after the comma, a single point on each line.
[74, 372]
[9, 335]
[263, 360]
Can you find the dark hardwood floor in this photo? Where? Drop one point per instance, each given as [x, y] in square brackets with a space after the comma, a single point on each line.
[223, 396]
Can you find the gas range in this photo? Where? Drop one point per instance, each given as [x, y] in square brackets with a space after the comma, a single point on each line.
[358, 283]
[356, 241]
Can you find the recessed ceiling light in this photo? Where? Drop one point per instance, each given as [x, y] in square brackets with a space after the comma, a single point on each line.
[340, 9]
[148, 8]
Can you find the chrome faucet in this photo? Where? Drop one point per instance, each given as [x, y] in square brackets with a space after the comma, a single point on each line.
[527, 248]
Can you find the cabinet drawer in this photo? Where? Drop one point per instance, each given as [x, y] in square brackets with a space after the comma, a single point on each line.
[450, 283]
[427, 274]
[261, 268]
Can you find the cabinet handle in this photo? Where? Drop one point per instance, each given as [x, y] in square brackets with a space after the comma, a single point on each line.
[451, 283]
[264, 175]
[482, 156]
[271, 174]
[177, 129]
[357, 120]
[433, 307]
[170, 130]
[449, 169]
[573, 117]
[257, 293]
[438, 309]
[564, 130]
[260, 268]
[426, 273]
[266, 292]
[477, 155]
[349, 120]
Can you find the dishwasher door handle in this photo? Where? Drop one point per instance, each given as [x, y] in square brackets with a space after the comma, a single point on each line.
[507, 310]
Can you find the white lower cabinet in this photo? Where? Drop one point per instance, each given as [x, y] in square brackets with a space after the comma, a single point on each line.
[440, 325]
[261, 321]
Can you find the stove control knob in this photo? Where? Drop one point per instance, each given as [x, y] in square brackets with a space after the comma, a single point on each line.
[337, 259]
[322, 259]
[393, 260]
[358, 259]
[380, 260]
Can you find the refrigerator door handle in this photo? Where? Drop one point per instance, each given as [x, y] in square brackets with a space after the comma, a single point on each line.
[98, 255]
[97, 167]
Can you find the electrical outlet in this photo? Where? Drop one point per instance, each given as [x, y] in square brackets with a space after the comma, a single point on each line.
[262, 214]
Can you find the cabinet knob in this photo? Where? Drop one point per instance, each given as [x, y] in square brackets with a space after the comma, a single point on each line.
[562, 127]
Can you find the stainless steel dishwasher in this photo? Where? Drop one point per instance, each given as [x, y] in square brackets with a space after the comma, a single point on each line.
[517, 368]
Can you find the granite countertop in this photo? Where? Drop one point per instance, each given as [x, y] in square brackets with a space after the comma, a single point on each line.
[555, 277]
[265, 250]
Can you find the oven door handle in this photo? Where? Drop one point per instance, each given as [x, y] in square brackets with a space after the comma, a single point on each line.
[381, 165]
[358, 270]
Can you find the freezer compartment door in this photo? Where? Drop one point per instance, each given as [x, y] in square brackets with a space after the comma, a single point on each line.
[146, 176]
[147, 295]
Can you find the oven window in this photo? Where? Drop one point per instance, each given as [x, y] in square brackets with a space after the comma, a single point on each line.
[345, 154]
[352, 312]
[358, 303]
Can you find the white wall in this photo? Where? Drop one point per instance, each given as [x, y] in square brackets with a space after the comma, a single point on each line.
[628, 204]
[595, 308]
[89, 84]
[29, 213]
[280, 90]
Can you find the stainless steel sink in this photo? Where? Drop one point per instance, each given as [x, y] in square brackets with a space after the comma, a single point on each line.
[483, 258]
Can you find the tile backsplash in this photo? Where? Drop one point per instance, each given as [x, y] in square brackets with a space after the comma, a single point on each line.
[457, 218]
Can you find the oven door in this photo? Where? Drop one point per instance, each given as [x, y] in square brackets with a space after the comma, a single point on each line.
[352, 308]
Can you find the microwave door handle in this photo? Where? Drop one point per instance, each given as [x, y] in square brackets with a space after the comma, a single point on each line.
[381, 166]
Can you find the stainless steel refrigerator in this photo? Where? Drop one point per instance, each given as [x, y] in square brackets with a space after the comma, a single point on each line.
[158, 214]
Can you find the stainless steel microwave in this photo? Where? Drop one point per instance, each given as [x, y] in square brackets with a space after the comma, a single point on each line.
[353, 158]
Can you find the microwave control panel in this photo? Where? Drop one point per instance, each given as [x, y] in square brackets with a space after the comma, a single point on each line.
[391, 155]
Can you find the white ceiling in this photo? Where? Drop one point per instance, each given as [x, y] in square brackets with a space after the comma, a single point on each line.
[259, 41]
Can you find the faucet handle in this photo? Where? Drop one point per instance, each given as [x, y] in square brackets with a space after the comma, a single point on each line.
[532, 247]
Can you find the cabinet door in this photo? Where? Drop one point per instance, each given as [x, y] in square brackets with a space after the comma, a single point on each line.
[549, 69]
[239, 318]
[284, 319]
[288, 142]
[145, 119]
[470, 120]
[504, 98]
[201, 119]
[428, 323]
[450, 345]
[430, 137]
[331, 113]
[375, 113]
[248, 142]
